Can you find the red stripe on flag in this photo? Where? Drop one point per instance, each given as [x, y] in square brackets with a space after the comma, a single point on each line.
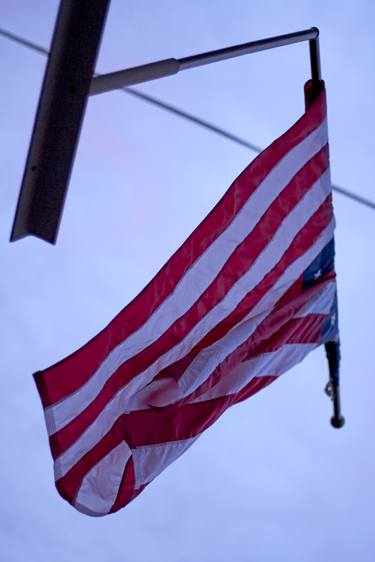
[126, 491]
[172, 423]
[255, 385]
[178, 422]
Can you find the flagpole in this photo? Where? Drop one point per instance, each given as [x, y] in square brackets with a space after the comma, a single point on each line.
[316, 72]
[332, 348]
[168, 67]
[333, 387]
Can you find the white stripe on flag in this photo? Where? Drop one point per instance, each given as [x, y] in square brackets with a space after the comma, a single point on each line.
[99, 488]
[120, 401]
[194, 282]
[322, 303]
[151, 460]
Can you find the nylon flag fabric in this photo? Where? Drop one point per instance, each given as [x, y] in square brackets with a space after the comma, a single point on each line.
[246, 297]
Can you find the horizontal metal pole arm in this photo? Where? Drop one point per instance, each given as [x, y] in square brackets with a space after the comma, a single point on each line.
[167, 67]
[248, 48]
[135, 75]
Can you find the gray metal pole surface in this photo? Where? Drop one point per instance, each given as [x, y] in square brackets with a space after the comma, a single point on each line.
[168, 67]
[59, 118]
[316, 73]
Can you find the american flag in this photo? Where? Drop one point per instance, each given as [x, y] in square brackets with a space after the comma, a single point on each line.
[246, 297]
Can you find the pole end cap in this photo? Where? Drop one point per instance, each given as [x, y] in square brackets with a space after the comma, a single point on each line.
[337, 422]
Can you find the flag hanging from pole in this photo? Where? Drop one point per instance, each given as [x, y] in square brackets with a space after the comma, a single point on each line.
[246, 297]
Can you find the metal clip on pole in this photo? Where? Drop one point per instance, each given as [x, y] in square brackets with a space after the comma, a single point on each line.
[332, 388]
